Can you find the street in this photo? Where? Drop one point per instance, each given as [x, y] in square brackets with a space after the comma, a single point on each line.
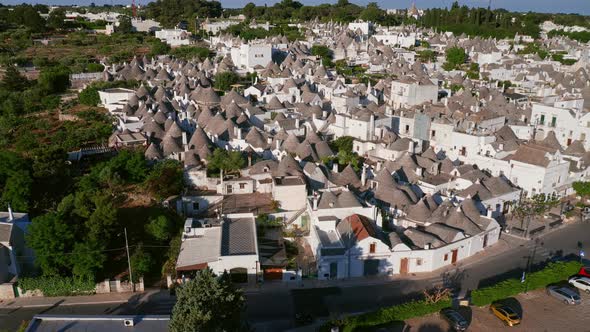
[273, 308]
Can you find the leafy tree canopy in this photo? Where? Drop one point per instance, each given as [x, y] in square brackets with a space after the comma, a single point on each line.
[208, 303]
[227, 161]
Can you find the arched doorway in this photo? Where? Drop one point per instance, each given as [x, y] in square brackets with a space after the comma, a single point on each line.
[239, 275]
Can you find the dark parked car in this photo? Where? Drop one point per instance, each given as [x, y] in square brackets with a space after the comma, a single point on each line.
[455, 319]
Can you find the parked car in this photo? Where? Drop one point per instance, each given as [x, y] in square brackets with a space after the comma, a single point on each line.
[505, 313]
[455, 319]
[584, 271]
[565, 294]
[581, 283]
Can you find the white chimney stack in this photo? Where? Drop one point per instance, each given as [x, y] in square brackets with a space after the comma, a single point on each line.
[10, 214]
[364, 175]
[315, 201]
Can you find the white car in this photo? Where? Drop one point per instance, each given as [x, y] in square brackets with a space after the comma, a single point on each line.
[581, 283]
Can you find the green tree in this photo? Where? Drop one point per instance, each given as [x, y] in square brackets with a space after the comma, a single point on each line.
[160, 228]
[372, 13]
[534, 206]
[165, 180]
[17, 190]
[125, 25]
[141, 263]
[208, 303]
[224, 81]
[228, 161]
[51, 239]
[455, 58]
[582, 188]
[87, 259]
[56, 19]
[54, 79]
[325, 53]
[13, 80]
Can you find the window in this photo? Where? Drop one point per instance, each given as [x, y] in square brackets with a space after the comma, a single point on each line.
[433, 133]
[242, 186]
[446, 257]
[582, 136]
[358, 148]
[553, 121]
[542, 121]
[419, 261]
[407, 128]
[229, 189]
[195, 205]
[372, 247]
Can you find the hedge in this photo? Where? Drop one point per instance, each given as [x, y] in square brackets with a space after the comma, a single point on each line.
[58, 286]
[391, 314]
[554, 272]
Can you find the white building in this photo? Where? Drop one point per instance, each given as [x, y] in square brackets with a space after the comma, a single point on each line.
[249, 56]
[14, 255]
[226, 244]
[409, 92]
[174, 37]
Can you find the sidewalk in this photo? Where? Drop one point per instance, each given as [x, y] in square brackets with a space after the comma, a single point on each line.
[33, 302]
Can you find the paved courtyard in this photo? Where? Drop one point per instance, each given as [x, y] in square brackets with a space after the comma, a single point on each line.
[541, 313]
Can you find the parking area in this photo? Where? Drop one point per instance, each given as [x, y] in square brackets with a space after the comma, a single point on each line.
[540, 312]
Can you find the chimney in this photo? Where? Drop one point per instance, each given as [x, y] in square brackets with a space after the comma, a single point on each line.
[249, 160]
[278, 144]
[427, 246]
[10, 214]
[335, 167]
[378, 166]
[184, 141]
[315, 201]
[297, 123]
[419, 171]
[324, 114]
[411, 146]
[489, 212]
[364, 175]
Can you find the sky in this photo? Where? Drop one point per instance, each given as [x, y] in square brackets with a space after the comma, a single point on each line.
[550, 6]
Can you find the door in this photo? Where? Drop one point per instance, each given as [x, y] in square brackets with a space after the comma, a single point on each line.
[333, 270]
[371, 267]
[485, 240]
[403, 266]
[454, 256]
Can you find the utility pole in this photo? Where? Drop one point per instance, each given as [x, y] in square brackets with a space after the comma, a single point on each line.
[129, 261]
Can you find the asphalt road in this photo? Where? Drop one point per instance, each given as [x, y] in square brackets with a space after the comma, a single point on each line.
[278, 308]
[274, 310]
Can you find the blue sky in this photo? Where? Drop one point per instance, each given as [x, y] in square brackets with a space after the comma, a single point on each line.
[564, 6]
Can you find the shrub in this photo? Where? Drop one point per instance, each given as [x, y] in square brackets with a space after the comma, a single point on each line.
[58, 286]
[403, 311]
[553, 273]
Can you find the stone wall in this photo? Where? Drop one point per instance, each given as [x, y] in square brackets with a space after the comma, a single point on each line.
[7, 291]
